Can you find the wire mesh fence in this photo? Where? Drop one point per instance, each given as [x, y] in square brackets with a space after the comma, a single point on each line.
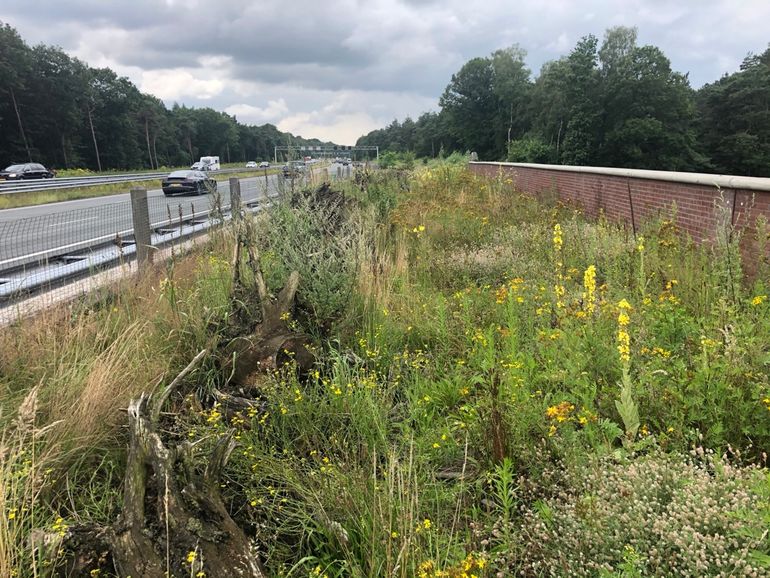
[51, 248]
[29, 239]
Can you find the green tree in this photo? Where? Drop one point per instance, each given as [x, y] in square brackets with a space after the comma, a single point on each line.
[734, 119]
[471, 107]
[14, 74]
[581, 86]
[549, 107]
[647, 109]
[55, 84]
[512, 88]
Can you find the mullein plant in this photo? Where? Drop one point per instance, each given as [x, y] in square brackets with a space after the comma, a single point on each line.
[626, 406]
[589, 295]
[558, 287]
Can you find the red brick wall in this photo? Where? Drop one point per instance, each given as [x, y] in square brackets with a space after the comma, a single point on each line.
[635, 200]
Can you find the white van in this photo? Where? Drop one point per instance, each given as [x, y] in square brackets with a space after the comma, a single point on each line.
[207, 164]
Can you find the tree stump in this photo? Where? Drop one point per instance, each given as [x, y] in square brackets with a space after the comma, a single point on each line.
[173, 522]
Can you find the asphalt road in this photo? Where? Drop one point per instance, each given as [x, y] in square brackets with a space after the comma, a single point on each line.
[30, 230]
[35, 231]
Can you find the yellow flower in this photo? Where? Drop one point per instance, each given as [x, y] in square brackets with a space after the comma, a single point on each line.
[557, 238]
[191, 556]
[758, 300]
[426, 523]
[624, 346]
[501, 294]
[624, 339]
[589, 296]
[560, 412]
[394, 534]
[640, 244]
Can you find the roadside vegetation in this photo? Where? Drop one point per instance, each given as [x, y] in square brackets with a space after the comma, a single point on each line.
[502, 387]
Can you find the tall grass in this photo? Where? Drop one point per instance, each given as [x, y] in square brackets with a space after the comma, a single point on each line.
[465, 414]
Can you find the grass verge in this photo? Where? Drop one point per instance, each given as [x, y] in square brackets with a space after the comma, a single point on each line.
[503, 388]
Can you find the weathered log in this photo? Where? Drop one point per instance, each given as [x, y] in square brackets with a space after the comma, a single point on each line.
[273, 342]
[174, 521]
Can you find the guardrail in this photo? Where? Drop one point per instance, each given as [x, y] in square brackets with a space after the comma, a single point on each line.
[43, 252]
[11, 187]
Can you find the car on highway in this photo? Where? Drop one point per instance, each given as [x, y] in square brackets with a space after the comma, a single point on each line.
[293, 169]
[25, 171]
[264, 165]
[188, 182]
[251, 165]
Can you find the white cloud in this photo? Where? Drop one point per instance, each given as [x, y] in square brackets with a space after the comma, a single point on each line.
[175, 85]
[560, 46]
[343, 129]
[249, 114]
[343, 66]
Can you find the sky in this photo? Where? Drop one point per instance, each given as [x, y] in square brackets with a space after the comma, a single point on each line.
[337, 69]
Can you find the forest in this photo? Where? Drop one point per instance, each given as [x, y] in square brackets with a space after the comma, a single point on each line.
[613, 103]
[57, 110]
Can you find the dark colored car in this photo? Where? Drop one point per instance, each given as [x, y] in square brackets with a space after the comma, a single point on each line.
[188, 182]
[294, 169]
[26, 171]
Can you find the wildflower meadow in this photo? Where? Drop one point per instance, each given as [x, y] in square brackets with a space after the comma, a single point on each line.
[502, 387]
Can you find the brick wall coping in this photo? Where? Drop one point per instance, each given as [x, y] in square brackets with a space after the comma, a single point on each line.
[722, 181]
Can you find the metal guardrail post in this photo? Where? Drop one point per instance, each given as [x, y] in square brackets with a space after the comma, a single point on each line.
[339, 172]
[235, 198]
[140, 214]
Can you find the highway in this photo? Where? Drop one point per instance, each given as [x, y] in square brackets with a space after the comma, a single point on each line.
[26, 186]
[34, 230]
[47, 246]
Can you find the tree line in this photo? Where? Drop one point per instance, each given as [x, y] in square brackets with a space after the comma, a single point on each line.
[613, 103]
[59, 111]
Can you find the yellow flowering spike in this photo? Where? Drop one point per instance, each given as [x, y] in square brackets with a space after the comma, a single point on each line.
[557, 238]
[589, 283]
[623, 304]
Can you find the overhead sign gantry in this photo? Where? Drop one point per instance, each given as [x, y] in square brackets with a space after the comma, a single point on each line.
[297, 151]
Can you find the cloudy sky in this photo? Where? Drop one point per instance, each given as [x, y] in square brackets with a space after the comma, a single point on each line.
[336, 69]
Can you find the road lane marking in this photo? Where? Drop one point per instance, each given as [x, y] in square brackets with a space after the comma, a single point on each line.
[72, 221]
